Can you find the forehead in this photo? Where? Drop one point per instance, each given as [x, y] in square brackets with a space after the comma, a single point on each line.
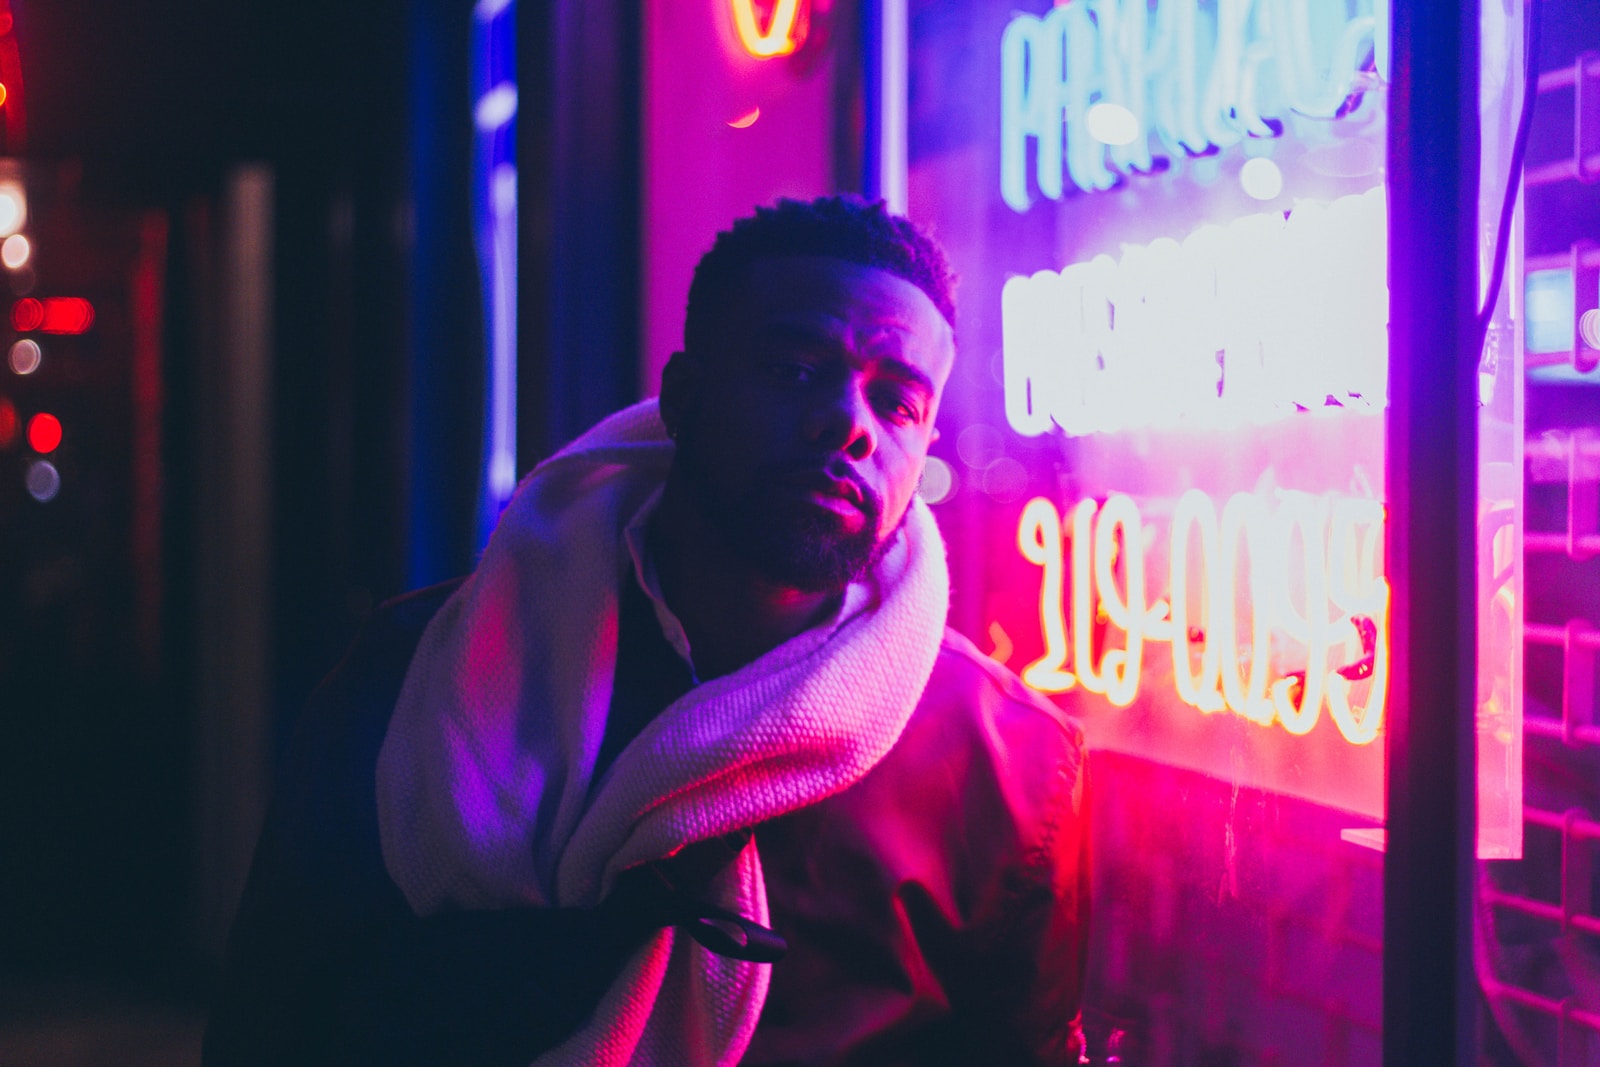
[861, 307]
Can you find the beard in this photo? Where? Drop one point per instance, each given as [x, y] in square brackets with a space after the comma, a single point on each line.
[785, 541]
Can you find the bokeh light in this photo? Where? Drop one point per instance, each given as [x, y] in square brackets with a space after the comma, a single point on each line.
[1112, 124]
[938, 481]
[496, 107]
[44, 432]
[1261, 178]
[980, 445]
[26, 355]
[54, 314]
[1589, 327]
[43, 481]
[1005, 480]
[13, 208]
[14, 251]
[27, 314]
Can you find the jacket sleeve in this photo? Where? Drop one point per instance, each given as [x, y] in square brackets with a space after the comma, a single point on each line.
[317, 873]
[275, 1001]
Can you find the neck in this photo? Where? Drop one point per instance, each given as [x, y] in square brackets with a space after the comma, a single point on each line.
[731, 614]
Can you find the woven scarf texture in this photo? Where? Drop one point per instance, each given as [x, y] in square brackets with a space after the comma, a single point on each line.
[485, 787]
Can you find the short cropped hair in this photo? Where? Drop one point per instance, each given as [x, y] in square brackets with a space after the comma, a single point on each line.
[841, 227]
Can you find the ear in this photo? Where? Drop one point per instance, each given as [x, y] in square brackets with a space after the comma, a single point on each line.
[680, 381]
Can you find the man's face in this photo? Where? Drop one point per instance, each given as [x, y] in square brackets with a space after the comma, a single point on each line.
[803, 427]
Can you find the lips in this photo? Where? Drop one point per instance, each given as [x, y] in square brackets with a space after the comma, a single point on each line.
[824, 484]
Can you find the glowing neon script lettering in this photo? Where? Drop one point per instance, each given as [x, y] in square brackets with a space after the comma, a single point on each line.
[1308, 574]
[1199, 80]
[780, 39]
[1235, 325]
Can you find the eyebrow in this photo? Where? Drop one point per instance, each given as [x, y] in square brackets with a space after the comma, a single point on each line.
[906, 372]
[805, 334]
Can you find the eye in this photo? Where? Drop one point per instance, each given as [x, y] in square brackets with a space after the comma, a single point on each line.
[898, 404]
[790, 371]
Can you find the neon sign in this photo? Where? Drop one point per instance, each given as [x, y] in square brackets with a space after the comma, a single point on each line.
[1199, 80]
[1239, 569]
[1234, 325]
[783, 34]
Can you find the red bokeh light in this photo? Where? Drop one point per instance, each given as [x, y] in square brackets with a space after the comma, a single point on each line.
[44, 433]
[27, 314]
[8, 423]
[53, 314]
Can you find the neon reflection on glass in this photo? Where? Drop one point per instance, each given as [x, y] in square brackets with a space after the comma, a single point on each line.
[1234, 325]
[1199, 80]
[1307, 570]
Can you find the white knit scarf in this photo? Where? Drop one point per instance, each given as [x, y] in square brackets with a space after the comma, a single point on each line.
[485, 788]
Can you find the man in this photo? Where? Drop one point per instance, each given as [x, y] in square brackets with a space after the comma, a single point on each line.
[517, 823]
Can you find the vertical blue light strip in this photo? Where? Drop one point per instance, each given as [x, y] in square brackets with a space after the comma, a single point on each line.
[894, 71]
[885, 48]
[494, 193]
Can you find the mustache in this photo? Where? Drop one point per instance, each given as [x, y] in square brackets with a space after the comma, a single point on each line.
[834, 467]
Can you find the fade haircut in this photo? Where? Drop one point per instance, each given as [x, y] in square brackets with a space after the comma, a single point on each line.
[840, 227]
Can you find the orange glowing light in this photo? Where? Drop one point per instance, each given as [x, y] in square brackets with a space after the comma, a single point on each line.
[2, 94]
[1001, 653]
[784, 32]
[747, 120]
[44, 433]
[1308, 571]
[1039, 540]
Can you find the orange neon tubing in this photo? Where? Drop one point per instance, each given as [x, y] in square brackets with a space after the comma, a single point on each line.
[779, 38]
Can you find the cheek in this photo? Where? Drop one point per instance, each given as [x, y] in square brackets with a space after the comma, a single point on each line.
[717, 417]
[738, 414]
[730, 438]
[902, 470]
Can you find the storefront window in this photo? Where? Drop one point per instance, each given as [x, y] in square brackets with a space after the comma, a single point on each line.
[1162, 475]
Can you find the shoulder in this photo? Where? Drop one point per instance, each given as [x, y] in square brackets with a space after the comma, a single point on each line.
[323, 808]
[353, 702]
[985, 752]
[1023, 750]
[970, 686]
[381, 652]
[396, 625]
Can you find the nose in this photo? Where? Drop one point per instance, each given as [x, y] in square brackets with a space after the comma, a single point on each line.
[842, 421]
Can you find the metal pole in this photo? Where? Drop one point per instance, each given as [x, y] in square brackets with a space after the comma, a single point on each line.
[1428, 998]
[885, 32]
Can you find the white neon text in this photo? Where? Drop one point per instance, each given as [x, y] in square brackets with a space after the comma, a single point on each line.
[1234, 325]
[779, 38]
[1252, 555]
[1198, 80]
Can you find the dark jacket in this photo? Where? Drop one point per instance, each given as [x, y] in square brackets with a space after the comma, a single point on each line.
[936, 912]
